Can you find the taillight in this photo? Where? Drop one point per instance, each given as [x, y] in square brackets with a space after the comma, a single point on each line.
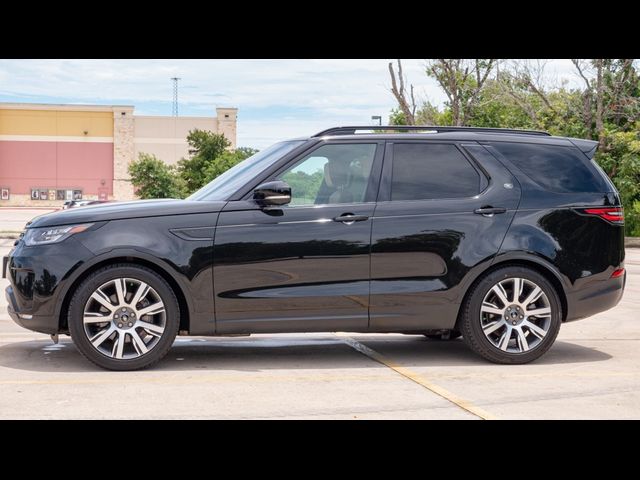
[617, 273]
[611, 214]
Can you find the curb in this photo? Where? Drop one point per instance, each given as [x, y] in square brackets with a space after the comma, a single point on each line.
[632, 242]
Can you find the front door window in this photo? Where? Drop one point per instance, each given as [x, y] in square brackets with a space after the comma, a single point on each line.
[331, 174]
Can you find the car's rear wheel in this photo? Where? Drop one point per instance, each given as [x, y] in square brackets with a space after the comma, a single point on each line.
[511, 316]
[124, 317]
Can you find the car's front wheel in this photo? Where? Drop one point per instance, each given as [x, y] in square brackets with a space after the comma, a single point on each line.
[124, 317]
[512, 315]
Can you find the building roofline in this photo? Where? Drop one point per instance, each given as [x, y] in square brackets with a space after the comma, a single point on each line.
[81, 107]
[63, 106]
[189, 117]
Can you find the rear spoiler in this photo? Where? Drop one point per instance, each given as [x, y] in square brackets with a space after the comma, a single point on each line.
[588, 147]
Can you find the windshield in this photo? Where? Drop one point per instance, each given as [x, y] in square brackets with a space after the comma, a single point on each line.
[223, 186]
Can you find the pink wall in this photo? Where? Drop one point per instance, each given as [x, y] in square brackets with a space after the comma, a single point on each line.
[24, 165]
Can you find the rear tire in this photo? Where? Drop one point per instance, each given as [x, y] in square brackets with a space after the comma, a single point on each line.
[124, 317]
[511, 316]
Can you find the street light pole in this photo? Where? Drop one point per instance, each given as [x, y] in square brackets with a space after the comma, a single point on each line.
[377, 117]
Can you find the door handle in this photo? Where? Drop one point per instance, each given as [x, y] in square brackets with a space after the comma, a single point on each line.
[349, 218]
[489, 211]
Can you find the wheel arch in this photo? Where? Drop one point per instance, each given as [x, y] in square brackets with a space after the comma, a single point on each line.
[131, 257]
[540, 265]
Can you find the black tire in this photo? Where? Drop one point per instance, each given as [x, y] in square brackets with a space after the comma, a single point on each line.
[470, 323]
[95, 280]
[443, 335]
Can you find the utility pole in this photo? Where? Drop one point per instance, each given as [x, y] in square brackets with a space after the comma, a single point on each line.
[175, 96]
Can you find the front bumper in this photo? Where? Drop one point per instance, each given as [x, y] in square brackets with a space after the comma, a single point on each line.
[37, 277]
[38, 323]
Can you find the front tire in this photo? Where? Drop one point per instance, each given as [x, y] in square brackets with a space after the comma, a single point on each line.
[511, 316]
[124, 317]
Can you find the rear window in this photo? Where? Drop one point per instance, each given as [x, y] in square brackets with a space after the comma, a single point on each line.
[427, 171]
[553, 167]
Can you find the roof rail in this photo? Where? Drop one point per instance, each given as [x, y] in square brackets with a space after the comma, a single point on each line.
[429, 128]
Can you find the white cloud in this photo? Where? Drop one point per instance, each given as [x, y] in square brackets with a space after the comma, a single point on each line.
[300, 96]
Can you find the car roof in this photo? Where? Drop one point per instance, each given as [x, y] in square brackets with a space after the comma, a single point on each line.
[474, 134]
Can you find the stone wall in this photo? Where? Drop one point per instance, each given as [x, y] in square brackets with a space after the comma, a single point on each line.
[123, 152]
[227, 123]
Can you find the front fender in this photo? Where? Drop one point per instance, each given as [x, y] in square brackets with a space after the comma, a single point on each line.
[113, 256]
[187, 262]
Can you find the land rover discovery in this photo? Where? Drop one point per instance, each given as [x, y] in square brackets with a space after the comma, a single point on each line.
[497, 236]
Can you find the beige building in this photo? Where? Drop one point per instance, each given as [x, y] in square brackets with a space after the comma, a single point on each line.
[53, 153]
[165, 137]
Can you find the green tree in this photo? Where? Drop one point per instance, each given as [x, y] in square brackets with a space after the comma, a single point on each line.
[152, 178]
[621, 161]
[499, 109]
[304, 186]
[246, 152]
[606, 108]
[462, 81]
[225, 161]
[397, 117]
[204, 148]
[427, 114]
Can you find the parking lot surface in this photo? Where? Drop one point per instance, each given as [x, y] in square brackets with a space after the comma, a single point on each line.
[591, 372]
[14, 219]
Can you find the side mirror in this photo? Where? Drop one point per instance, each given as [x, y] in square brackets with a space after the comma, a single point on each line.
[272, 193]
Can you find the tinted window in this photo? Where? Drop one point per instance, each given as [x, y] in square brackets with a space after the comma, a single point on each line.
[224, 185]
[424, 171]
[555, 168]
[331, 174]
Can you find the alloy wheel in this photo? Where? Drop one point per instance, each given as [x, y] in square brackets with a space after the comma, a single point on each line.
[124, 318]
[515, 315]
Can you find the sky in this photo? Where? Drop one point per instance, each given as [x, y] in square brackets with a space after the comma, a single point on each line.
[276, 99]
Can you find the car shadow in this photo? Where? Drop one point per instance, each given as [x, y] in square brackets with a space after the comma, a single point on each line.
[421, 352]
[254, 354]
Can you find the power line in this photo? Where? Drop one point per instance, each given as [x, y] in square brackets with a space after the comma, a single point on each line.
[175, 96]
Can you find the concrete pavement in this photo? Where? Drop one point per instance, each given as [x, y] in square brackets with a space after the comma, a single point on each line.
[591, 372]
[13, 219]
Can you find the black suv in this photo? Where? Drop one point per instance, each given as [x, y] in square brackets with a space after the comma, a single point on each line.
[494, 235]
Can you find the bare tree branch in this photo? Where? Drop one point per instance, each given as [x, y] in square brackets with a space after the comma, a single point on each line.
[619, 102]
[462, 82]
[599, 62]
[587, 94]
[580, 68]
[481, 78]
[408, 106]
[413, 103]
[540, 94]
[506, 87]
[531, 77]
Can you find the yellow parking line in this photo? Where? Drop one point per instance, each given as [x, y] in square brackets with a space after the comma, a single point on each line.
[420, 380]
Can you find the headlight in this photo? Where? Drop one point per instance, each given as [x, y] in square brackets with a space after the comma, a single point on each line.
[41, 236]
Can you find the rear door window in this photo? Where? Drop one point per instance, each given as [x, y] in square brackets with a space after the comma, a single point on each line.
[423, 171]
[553, 167]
